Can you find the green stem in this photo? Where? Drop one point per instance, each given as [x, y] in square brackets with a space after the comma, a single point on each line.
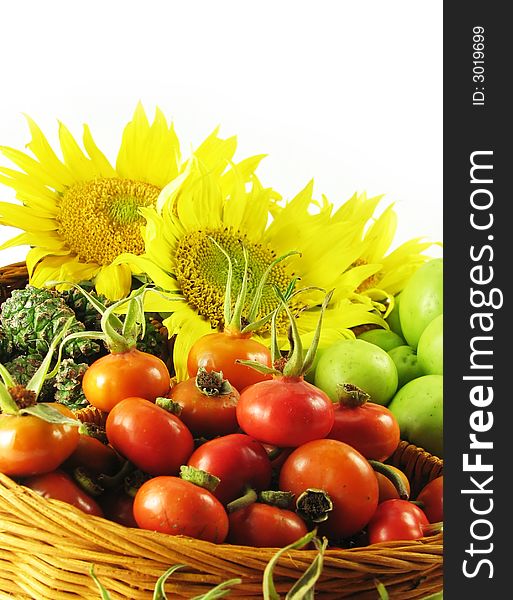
[7, 405]
[249, 497]
[276, 498]
[394, 477]
[6, 377]
[87, 483]
[36, 381]
[255, 304]
[227, 307]
[199, 477]
[433, 528]
[269, 589]
[113, 481]
[350, 395]
[236, 321]
[169, 405]
[310, 355]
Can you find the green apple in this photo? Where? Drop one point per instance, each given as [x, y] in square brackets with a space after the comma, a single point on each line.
[421, 300]
[393, 319]
[384, 338]
[406, 363]
[310, 374]
[360, 363]
[418, 408]
[430, 350]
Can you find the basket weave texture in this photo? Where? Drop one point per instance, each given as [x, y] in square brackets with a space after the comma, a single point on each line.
[47, 547]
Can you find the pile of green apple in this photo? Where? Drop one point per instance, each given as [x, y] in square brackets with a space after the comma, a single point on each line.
[400, 367]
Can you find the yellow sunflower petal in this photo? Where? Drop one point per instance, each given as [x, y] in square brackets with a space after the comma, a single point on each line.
[215, 153]
[25, 218]
[33, 168]
[34, 255]
[381, 234]
[148, 153]
[159, 302]
[141, 264]
[23, 239]
[352, 279]
[321, 254]
[199, 202]
[47, 239]
[188, 326]
[61, 268]
[327, 338]
[159, 241]
[82, 168]
[163, 151]
[247, 211]
[43, 151]
[103, 166]
[243, 170]
[114, 281]
[36, 196]
[343, 315]
[133, 145]
[358, 209]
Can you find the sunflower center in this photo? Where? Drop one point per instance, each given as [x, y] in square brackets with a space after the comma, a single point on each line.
[202, 272]
[100, 219]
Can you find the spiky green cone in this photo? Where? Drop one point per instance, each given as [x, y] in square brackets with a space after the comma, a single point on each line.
[5, 348]
[32, 317]
[68, 384]
[153, 341]
[21, 368]
[85, 312]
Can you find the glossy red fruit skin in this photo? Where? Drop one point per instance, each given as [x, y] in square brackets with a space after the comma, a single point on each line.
[206, 416]
[119, 375]
[154, 440]
[342, 472]
[285, 412]
[94, 456]
[264, 526]
[371, 428]
[432, 498]
[396, 520]
[60, 486]
[118, 507]
[177, 507]
[219, 351]
[238, 460]
[31, 446]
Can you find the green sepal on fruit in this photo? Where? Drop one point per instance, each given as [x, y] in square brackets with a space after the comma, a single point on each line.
[358, 363]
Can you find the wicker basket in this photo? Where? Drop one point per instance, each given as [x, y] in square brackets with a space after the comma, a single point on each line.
[47, 548]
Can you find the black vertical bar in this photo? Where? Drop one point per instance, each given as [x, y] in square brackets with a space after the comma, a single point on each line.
[478, 237]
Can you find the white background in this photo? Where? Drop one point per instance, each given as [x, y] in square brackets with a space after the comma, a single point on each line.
[349, 93]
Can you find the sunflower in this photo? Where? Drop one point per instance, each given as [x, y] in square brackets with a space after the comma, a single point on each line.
[79, 213]
[374, 237]
[204, 205]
